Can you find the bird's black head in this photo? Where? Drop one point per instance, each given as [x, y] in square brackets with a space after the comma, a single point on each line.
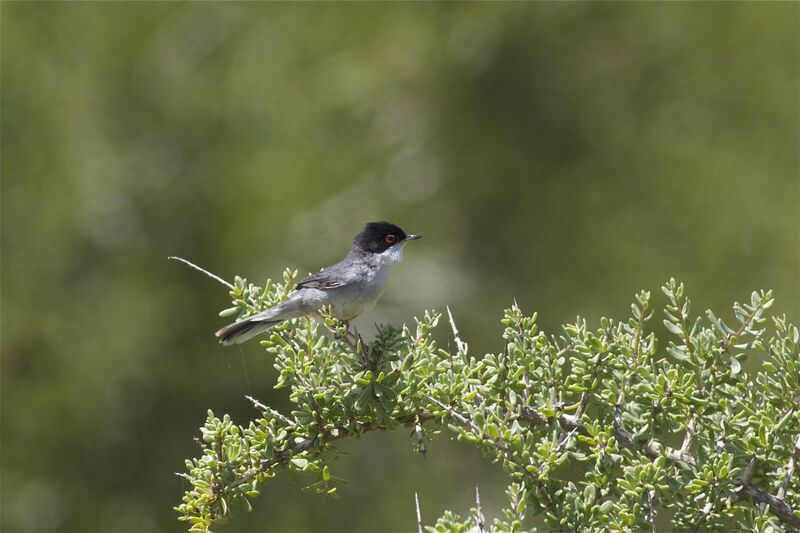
[377, 237]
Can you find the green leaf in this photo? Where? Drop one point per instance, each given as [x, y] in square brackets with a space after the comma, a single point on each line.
[299, 462]
[606, 506]
[673, 328]
[677, 353]
[589, 493]
[546, 411]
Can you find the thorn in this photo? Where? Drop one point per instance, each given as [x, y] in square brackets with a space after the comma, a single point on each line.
[481, 524]
[459, 343]
[419, 514]
[257, 404]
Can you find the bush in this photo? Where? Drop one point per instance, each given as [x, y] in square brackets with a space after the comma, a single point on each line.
[581, 421]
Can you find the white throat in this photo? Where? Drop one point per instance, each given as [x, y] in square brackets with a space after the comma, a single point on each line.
[393, 254]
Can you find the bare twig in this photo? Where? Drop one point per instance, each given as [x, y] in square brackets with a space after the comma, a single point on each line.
[481, 523]
[534, 416]
[257, 404]
[779, 508]
[268, 409]
[462, 347]
[419, 514]
[567, 422]
[200, 269]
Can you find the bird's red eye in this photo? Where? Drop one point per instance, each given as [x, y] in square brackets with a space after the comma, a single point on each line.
[390, 239]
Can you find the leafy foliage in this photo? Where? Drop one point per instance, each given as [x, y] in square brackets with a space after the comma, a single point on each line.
[597, 429]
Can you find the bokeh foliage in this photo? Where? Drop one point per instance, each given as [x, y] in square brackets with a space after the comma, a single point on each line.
[565, 155]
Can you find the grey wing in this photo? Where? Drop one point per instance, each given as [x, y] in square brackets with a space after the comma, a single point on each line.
[329, 278]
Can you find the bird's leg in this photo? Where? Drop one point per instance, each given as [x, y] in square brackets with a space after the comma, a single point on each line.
[353, 338]
[347, 334]
[358, 337]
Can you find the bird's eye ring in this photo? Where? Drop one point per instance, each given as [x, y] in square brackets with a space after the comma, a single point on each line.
[390, 239]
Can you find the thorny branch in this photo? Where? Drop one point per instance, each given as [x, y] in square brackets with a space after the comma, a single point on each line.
[258, 405]
[790, 469]
[474, 427]
[570, 425]
[284, 456]
[625, 439]
[779, 508]
[567, 422]
[746, 324]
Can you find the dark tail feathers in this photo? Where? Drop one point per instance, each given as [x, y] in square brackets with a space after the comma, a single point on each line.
[244, 330]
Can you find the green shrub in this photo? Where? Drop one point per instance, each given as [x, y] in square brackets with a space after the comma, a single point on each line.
[580, 420]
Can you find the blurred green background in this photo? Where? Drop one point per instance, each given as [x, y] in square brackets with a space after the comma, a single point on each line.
[565, 155]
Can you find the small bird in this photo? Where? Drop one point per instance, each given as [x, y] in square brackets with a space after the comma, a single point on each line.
[351, 287]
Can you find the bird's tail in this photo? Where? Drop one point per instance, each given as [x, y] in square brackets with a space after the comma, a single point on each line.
[246, 329]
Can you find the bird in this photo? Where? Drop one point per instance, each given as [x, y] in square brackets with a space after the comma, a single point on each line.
[351, 287]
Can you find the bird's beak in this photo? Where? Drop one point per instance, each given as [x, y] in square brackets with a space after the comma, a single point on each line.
[413, 237]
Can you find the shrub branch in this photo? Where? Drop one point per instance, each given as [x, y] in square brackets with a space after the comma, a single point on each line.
[603, 402]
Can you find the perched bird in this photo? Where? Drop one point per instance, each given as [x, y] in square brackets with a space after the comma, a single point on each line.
[350, 287]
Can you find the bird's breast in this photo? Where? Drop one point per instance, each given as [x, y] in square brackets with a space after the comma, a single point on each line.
[361, 296]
